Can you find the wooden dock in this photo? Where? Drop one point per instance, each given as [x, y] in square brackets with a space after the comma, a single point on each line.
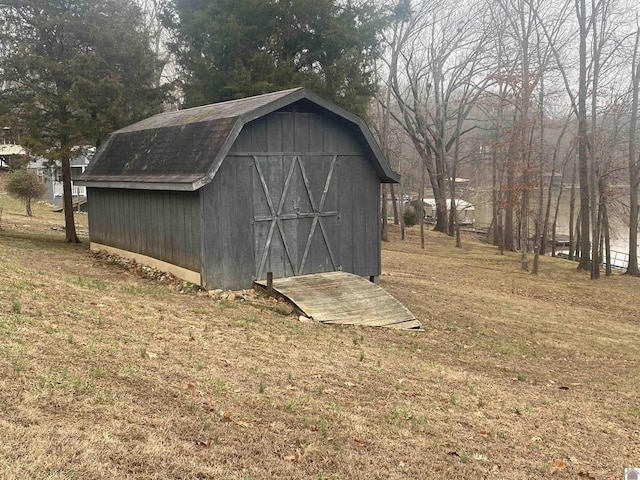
[344, 298]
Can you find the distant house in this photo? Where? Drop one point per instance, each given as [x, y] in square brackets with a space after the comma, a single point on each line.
[50, 173]
[7, 151]
[466, 211]
[219, 195]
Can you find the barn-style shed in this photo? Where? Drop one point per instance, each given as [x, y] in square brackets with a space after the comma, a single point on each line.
[219, 195]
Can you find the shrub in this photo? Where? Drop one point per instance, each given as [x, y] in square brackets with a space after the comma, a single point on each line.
[410, 217]
[25, 185]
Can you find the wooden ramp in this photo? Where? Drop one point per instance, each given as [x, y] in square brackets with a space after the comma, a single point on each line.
[340, 297]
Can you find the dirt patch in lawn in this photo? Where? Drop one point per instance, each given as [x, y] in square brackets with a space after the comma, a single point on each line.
[105, 374]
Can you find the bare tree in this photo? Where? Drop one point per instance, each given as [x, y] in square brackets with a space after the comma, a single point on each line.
[634, 163]
[438, 81]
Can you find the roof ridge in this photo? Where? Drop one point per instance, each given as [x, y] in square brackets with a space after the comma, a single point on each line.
[278, 93]
[221, 110]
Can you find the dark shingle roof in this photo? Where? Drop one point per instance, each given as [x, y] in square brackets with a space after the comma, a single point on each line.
[182, 150]
[208, 113]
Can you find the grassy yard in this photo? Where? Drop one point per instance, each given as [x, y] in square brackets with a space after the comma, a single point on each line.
[106, 374]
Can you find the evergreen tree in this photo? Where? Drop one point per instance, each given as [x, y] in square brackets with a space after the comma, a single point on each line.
[231, 49]
[74, 70]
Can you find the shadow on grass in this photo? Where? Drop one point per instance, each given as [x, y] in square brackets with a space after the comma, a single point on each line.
[46, 241]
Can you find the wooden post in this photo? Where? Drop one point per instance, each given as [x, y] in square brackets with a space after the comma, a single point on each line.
[270, 284]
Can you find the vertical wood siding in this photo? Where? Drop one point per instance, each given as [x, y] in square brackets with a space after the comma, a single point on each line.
[228, 257]
[162, 225]
[222, 230]
[234, 241]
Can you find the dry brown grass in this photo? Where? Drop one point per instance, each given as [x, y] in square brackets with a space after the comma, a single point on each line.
[104, 374]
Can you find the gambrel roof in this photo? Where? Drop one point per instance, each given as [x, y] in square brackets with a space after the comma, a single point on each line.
[182, 150]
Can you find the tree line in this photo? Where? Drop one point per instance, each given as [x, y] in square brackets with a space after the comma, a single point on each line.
[541, 95]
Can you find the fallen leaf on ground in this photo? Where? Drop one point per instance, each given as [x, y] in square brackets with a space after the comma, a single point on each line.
[359, 440]
[239, 423]
[226, 417]
[586, 475]
[557, 466]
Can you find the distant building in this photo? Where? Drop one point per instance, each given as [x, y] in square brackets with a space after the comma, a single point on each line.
[50, 173]
[7, 151]
[466, 211]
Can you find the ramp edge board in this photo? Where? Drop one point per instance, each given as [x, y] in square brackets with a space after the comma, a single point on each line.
[344, 298]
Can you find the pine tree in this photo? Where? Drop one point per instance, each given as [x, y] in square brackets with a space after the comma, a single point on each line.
[74, 70]
[231, 49]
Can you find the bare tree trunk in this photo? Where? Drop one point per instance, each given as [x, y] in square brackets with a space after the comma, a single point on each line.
[539, 238]
[607, 240]
[454, 205]
[498, 230]
[67, 197]
[594, 174]
[384, 135]
[572, 209]
[555, 215]
[495, 205]
[583, 131]
[578, 253]
[453, 209]
[509, 242]
[385, 223]
[524, 228]
[394, 204]
[421, 202]
[498, 237]
[634, 174]
[550, 189]
[402, 225]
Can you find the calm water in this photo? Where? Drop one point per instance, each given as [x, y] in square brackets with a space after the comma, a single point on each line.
[481, 198]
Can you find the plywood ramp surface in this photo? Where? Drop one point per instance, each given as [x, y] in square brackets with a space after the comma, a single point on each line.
[345, 298]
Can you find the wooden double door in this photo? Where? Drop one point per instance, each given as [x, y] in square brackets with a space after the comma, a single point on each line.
[296, 214]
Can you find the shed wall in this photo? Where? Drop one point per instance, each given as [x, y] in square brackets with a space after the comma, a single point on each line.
[228, 231]
[234, 241]
[159, 224]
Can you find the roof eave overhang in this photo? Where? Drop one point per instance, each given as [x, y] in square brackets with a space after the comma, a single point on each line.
[395, 178]
[172, 186]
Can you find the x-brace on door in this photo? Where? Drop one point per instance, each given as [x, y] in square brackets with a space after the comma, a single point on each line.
[296, 214]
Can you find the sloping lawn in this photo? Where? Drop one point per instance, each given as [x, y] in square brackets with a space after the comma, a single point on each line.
[105, 374]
